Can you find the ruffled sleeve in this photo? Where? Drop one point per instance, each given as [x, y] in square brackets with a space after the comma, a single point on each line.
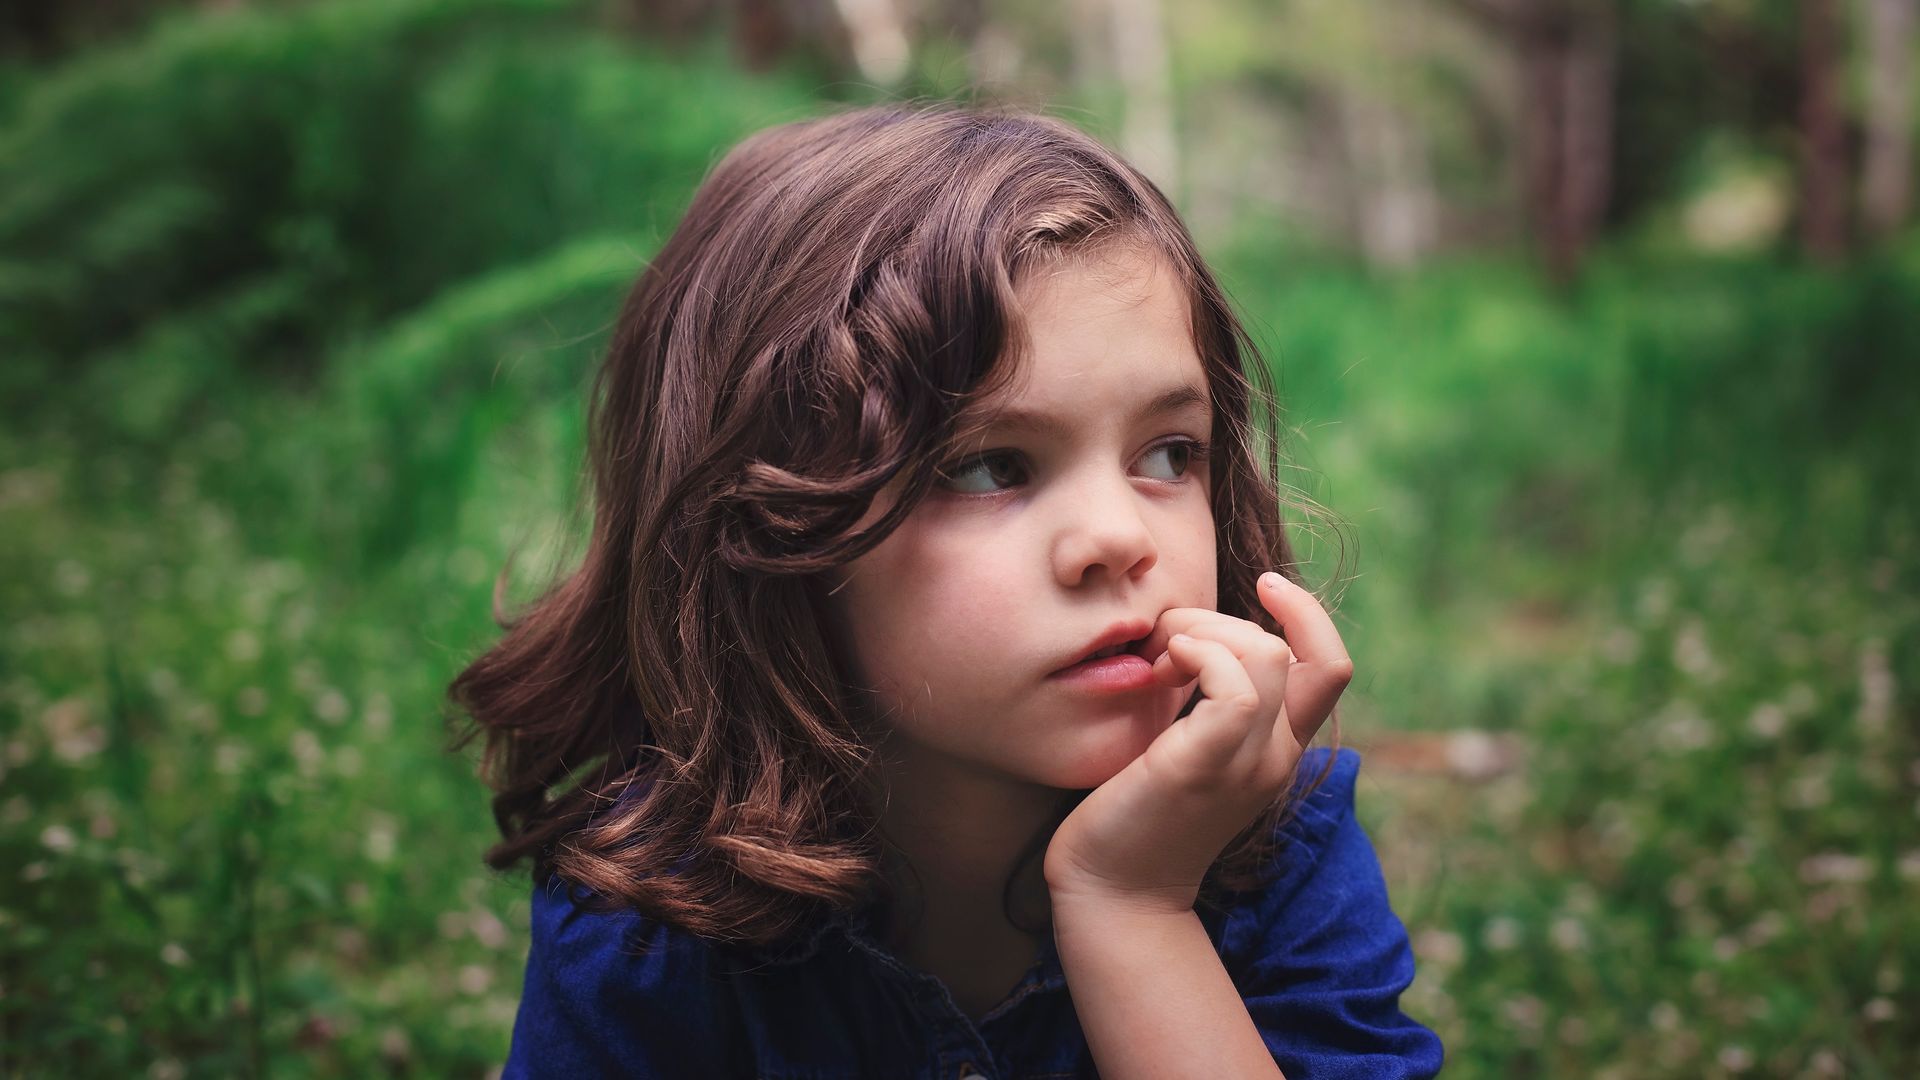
[1320, 957]
[614, 994]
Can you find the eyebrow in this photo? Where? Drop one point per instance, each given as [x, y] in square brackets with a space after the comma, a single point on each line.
[1166, 401]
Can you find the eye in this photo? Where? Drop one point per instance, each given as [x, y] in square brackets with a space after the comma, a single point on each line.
[978, 465]
[997, 467]
[1182, 454]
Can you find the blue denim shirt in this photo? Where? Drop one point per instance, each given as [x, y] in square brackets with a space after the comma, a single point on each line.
[1319, 957]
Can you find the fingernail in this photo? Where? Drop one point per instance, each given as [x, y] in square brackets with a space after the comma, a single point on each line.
[1183, 638]
[1270, 579]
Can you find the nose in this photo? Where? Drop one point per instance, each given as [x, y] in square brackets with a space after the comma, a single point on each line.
[1103, 531]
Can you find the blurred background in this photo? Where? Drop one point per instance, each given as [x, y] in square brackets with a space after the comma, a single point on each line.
[1597, 322]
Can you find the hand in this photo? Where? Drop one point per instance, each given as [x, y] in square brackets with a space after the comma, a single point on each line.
[1145, 838]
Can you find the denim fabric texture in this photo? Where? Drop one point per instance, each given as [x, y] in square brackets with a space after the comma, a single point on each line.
[1319, 957]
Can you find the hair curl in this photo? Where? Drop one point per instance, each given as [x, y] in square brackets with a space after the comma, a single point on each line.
[669, 724]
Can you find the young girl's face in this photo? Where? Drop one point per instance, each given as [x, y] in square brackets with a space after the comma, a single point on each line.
[1042, 537]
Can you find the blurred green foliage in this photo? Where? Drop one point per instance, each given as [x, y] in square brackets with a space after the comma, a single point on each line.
[298, 311]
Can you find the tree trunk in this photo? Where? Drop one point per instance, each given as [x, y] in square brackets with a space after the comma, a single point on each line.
[1394, 209]
[762, 33]
[1586, 132]
[1142, 64]
[878, 38]
[1886, 183]
[1823, 163]
[1567, 51]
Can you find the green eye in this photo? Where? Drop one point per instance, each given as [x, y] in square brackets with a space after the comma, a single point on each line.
[980, 465]
[1181, 454]
[996, 470]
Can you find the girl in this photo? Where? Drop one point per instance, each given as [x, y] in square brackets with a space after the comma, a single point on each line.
[927, 703]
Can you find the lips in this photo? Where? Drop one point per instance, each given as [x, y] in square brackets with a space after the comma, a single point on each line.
[1115, 638]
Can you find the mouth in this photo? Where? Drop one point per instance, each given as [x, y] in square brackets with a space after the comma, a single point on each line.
[1123, 638]
[1131, 647]
[1119, 668]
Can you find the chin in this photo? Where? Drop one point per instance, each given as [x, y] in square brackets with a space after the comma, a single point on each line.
[1105, 752]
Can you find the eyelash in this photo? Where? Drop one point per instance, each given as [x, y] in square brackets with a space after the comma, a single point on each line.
[1197, 452]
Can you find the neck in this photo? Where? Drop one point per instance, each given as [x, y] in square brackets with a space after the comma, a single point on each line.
[964, 833]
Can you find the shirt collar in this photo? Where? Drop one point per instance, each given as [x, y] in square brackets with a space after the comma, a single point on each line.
[856, 929]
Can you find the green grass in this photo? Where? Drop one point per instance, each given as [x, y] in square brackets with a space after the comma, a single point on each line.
[271, 434]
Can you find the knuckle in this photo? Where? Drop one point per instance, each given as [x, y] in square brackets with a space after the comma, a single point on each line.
[1270, 774]
[1340, 671]
[1246, 702]
[1243, 773]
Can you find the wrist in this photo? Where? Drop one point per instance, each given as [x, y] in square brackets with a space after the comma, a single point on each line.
[1076, 901]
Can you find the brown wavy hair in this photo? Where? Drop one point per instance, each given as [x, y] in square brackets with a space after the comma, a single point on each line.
[670, 724]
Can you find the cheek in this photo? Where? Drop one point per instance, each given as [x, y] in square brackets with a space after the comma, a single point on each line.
[1197, 567]
[947, 628]
[919, 612]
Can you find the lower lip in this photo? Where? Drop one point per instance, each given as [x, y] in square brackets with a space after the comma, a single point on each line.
[1111, 674]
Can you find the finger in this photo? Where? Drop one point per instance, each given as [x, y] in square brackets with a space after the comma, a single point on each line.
[1182, 620]
[1164, 669]
[1219, 726]
[1266, 658]
[1322, 669]
[1238, 634]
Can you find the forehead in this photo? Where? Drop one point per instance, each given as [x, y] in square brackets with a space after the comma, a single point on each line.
[1108, 336]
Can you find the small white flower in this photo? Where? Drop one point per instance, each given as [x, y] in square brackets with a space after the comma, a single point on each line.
[381, 840]
[71, 578]
[1888, 979]
[163, 682]
[307, 752]
[1767, 721]
[1525, 1012]
[1501, 933]
[331, 706]
[1620, 645]
[58, 839]
[1441, 947]
[474, 979]
[1656, 599]
[1812, 789]
[231, 758]
[395, 1044]
[488, 930]
[1876, 688]
[1682, 727]
[1835, 866]
[1769, 926]
[1569, 934]
[1692, 654]
[243, 646]
[378, 715]
[70, 728]
[251, 701]
[1799, 700]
